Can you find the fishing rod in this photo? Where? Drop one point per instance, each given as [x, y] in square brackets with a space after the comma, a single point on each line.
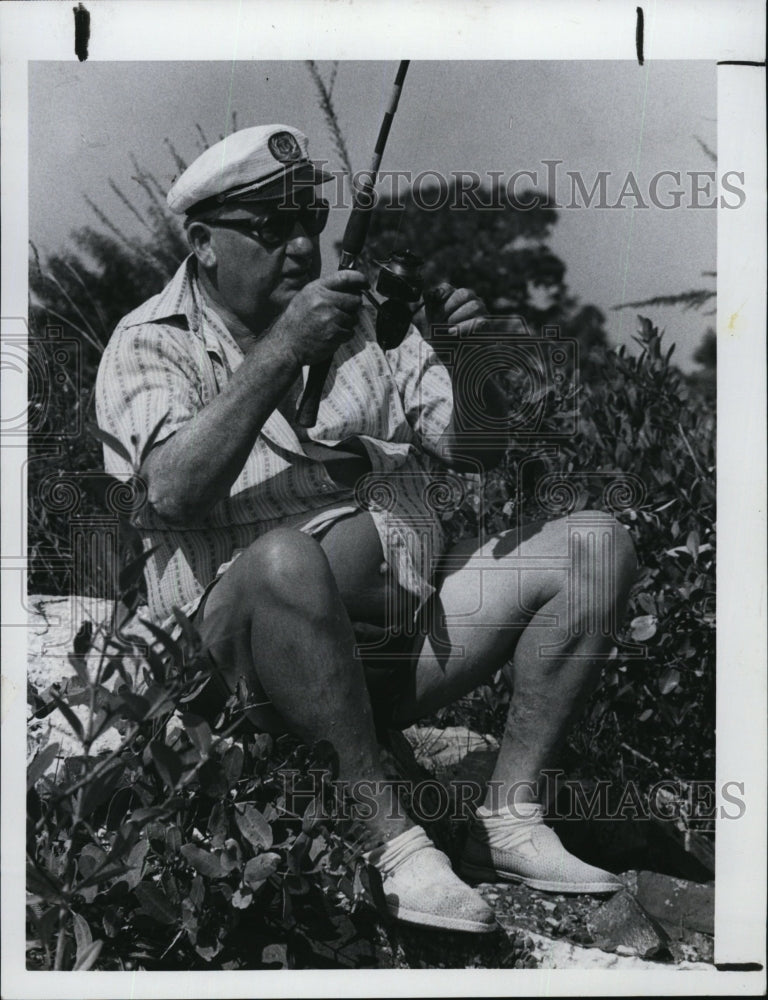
[400, 277]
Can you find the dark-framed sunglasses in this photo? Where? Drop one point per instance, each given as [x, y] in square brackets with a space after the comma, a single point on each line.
[277, 228]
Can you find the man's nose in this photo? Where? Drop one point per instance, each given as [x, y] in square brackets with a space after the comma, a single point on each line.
[299, 242]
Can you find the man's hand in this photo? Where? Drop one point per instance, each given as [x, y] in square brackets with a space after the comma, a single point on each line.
[320, 317]
[457, 308]
[457, 312]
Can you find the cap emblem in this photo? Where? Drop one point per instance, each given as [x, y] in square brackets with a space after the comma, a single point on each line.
[284, 147]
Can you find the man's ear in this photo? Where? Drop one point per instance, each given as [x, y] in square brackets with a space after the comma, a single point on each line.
[199, 239]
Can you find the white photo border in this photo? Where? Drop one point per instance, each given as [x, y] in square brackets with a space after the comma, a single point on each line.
[732, 36]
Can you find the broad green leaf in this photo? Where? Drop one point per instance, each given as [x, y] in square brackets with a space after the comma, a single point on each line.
[167, 762]
[254, 827]
[197, 892]
[110, 921]
[647, 603]
[199, 732]
[101, 788]
[173, 840]
[43, 883]
[155, 903]
[260, 868]
[70, 716]
[82, 641]
[213, 780]
[230, 856]
[643, 628]
[241, 900]
[155, 834]
[91, 857]
[692, 544]
[262, 745]
[275, 954]
[83, 936]
[143, 815]
[41, 763]
[135, 861]
[189, 917]
[209, 951]
[669, 680]
[166, 641]
[188, 630]
[88, 958]
[135, 706]
[157, 665]
[202, 861]
[218, 826]
[101, 875]
[232, 763]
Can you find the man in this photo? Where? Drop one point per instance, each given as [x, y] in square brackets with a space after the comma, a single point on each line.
[276, 540]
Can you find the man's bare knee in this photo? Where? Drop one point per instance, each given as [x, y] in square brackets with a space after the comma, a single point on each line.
[603, 557]
[288, 567]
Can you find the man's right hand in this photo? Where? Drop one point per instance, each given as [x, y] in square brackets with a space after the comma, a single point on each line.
[321, 316]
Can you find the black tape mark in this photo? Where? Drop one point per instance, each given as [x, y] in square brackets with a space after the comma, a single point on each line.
[82, 31]
[739, 62]
[639, 34]
[738, 967]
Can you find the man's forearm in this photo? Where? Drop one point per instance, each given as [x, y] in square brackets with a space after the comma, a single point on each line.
[191, 471]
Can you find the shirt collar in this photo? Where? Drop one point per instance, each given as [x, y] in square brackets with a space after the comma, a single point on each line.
[175, 300]
[182, 299]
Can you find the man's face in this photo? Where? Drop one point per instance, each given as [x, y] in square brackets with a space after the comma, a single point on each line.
[264, 256]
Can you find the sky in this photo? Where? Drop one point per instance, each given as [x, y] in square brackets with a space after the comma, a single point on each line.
[85, 121]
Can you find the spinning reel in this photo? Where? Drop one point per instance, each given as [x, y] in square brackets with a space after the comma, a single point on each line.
[400, 282]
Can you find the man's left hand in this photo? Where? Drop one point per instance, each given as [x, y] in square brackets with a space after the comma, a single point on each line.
[457, 308]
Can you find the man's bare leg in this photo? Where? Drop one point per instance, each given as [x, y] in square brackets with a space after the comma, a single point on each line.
[276, 618]
[538, 606]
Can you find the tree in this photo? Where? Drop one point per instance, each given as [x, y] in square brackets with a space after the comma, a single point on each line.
[499, 248]
[706, 353]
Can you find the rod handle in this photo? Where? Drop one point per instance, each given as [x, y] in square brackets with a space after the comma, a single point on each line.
[309, 404]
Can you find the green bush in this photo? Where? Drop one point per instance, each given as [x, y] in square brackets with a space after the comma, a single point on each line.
[652, 716]
[188, 844]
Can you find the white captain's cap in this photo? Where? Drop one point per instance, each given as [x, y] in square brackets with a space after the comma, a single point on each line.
[253, 164]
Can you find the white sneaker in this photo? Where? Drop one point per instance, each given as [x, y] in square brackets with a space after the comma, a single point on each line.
[504, 848]
[421, 888]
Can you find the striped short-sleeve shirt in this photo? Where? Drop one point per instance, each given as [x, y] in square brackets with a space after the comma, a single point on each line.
[171, 356]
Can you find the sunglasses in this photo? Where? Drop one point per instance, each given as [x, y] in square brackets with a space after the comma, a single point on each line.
[277, 228]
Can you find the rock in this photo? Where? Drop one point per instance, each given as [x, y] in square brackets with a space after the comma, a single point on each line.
[409, 946]
[695, 947]
[445, 751]
[677, 837]
[622, 922]
[53, 625]
[553, 954]
[679, 905]
[459, 758]
[515, 911]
